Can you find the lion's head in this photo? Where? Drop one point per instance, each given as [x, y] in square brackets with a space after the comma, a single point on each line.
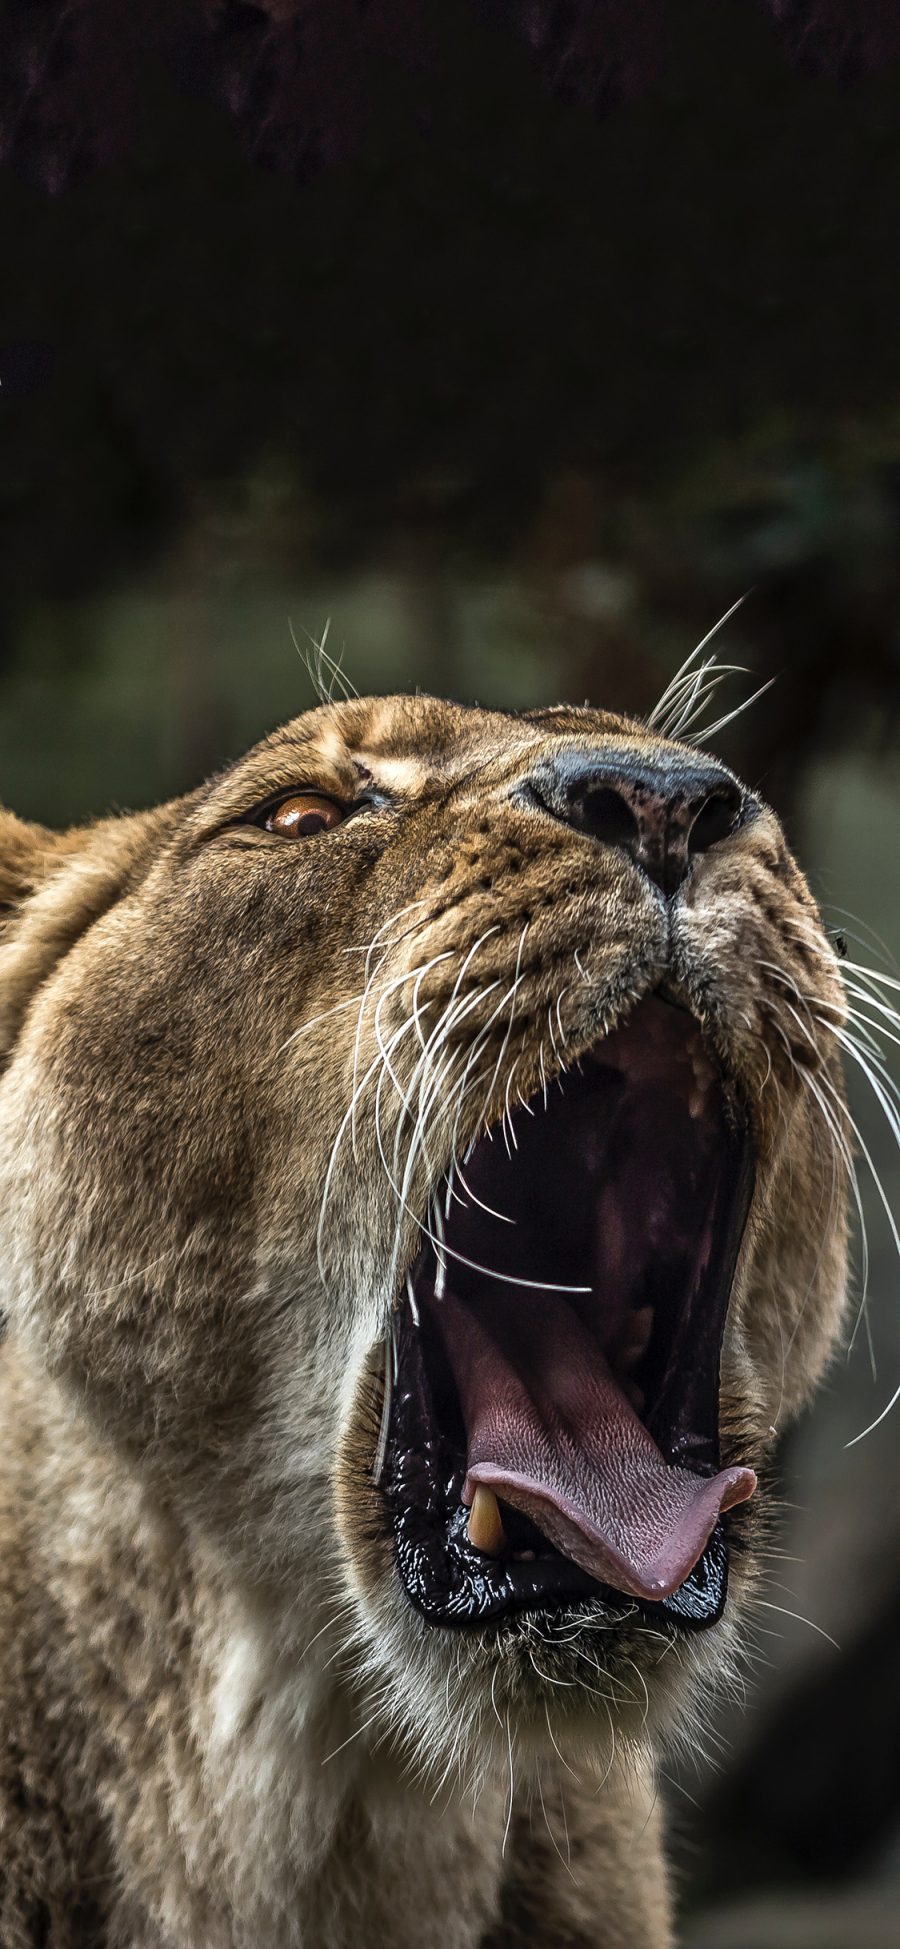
[422, 1158]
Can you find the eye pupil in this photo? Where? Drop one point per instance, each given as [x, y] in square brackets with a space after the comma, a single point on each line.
[302, 815]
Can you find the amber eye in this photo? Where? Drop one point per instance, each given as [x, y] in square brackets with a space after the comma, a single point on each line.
[301, 815]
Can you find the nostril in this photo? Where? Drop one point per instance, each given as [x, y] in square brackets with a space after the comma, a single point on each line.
[602, 812]
[662, 810]
[715, 820]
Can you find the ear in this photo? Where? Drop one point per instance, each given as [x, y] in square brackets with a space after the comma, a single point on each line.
[52, 887]
[27, 854]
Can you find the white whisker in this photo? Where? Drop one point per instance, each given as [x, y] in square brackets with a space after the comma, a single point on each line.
[712, 730]
[684, 702]
[799, 1618]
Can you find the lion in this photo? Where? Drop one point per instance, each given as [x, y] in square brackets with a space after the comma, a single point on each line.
[423, 1200]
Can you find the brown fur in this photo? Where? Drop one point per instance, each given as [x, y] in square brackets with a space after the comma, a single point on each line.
[223, 1724]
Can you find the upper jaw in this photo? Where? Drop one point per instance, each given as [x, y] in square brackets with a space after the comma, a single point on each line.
[591, 1413]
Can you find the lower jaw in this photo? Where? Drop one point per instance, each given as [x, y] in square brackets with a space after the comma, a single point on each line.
[450, 1583]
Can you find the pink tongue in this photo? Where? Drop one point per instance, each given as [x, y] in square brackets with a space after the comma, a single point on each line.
[551, 1432]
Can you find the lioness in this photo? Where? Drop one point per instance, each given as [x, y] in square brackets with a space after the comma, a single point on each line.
[422, 1201]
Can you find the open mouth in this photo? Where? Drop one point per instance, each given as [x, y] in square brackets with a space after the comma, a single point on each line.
[553, 1434]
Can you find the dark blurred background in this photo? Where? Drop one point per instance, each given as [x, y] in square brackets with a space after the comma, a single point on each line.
[518, 340]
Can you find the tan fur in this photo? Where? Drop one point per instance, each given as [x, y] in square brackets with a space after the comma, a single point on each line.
[224, 1726]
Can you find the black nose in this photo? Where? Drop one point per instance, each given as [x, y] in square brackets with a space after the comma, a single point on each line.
[663, 812]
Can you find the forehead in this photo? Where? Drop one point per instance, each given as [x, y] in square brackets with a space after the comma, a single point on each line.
[413, 747]
[406, 742]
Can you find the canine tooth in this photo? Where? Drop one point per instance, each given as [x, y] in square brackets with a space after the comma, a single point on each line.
[485, 1528]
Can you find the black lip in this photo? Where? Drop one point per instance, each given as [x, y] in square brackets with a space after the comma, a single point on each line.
[452, 1584]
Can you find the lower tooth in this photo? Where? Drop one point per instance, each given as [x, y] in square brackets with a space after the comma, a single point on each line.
[485, 1528]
